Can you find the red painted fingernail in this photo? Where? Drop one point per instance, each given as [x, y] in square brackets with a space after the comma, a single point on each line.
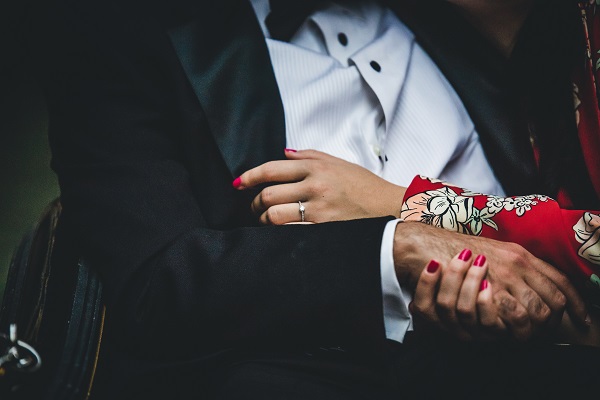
[484, 285]
[291, 150]
[479, 261]
[465, 255]
[432, 266]
[237, 182]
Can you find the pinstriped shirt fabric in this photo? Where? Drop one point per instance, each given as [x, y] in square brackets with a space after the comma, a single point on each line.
[355, 84]
[335, 101]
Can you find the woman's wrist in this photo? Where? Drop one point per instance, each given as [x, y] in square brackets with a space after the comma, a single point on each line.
[390, 200]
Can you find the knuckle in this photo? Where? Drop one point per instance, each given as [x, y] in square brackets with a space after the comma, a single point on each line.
[465, 312]
[556, 299]
[457, 268]
[266, 196]
[510, 310]
[559, 301]
[517, 258]
[318, 188]
[538, 310]
[311, 166]
[445, 306]
[273, 216]
[520, 317]
[424, 312]
[481, 301]
[418, 308]
[516, 254]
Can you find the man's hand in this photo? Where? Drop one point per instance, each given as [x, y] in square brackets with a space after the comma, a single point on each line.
[530, 294]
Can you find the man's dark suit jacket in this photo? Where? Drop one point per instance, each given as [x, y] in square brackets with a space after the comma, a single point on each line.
[153, 113]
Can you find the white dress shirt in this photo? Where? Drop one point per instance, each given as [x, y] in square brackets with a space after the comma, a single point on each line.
[355, 84]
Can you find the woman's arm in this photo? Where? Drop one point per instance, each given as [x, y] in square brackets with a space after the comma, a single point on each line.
[331, 189]
[568, 239]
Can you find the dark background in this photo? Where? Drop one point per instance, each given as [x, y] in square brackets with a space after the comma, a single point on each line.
[27, 184]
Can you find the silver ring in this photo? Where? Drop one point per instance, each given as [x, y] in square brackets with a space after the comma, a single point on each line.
[301, 208]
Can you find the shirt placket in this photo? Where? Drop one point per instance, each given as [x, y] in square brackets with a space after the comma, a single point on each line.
[383, 65]
[346, 35]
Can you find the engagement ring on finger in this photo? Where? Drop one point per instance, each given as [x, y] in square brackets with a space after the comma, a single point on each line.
[301, 208]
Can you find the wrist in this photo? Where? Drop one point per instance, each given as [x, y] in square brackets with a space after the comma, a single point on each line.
[391, 199]
[407, 261]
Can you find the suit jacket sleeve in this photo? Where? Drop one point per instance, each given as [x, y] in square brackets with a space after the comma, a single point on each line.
[131, 208]
[567, 239]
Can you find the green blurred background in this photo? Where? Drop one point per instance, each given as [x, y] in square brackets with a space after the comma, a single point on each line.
[27, 183]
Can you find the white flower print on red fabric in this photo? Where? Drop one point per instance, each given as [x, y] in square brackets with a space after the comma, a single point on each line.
[587, 232]
[445, 208]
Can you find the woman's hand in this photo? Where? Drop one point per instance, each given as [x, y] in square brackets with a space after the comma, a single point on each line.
[457, 298]
[329, 188]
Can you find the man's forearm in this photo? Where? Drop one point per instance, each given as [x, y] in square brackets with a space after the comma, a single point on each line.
[529, 292]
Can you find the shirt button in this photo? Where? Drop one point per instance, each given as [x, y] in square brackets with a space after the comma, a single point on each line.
[375, 65]
[376, 150]
[343, 39]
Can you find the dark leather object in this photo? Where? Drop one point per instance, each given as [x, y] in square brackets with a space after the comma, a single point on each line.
[58, 311]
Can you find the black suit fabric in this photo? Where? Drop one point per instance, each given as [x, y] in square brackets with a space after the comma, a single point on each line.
[153, 112]
[145, 171]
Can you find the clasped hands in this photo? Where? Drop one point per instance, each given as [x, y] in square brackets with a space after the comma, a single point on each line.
[469, 286]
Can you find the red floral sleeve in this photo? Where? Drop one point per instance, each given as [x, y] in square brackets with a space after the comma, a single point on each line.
[567, 239]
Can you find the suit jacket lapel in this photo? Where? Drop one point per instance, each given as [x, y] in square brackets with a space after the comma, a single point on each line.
[478, 74]
[225, 58]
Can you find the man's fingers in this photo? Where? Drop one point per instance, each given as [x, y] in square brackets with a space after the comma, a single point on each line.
[547, 292]
[538, 311]
[572, 299]
[271, 172]
[514, 315]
